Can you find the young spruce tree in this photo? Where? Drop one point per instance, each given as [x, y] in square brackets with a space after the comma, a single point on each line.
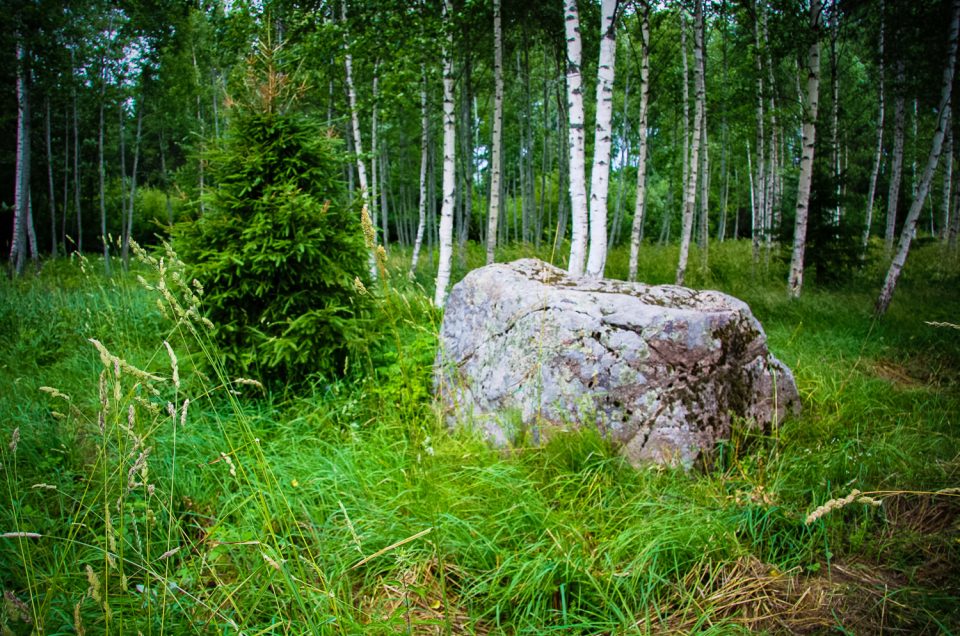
[279, 248]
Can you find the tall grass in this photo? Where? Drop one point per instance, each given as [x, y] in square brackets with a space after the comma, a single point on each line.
[348, 507]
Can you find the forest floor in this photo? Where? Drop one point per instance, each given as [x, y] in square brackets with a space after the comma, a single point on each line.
[144, 489]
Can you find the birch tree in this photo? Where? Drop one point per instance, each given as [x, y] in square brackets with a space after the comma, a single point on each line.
[640, 205]
[690, 194]
[923, 187]
[357, 140]
[101, 169]
[795, 284]
[424, 156]
[22, 177]
[947, 179]
[496, 149]
[896, 161]
[576, 145]
[449, 164]
[759, 211]
[878, 155]
[602, 140]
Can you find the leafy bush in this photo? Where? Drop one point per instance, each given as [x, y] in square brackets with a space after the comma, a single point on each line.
[279, 247]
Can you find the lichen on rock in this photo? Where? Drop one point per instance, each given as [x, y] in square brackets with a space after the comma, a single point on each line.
[661, 371]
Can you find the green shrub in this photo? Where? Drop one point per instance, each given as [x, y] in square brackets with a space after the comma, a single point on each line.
[279, 247]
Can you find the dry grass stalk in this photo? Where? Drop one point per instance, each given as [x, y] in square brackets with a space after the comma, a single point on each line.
[835, 504]
[425, 596]
[751, 594]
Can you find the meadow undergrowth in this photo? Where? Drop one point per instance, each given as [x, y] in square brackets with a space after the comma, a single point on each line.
[147, 489]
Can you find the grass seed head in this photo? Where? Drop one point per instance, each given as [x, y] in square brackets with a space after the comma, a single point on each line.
[173, 364]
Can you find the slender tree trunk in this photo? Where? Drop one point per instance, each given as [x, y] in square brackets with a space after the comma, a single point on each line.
[947, 178]
[22, 177]
[910, 224]
[724, 130]
[759, 213]
[166, 177]
[424, 157]
[133, 187]
[101, 170]
[896, 166]
[523, 115]
[384, 193]
[355, 116]
[449, 167]
[954, 230]
[806, 159]
[686, 107]
[496, 151]
[835, 113]
[640, 204]
[466, 150]
[201, 161]
[753, 210]
[66, 179]
[563, 168]
[613, 237]
[357, 139]
[32, 235]
[374, 146]
[602, 140]
[878, 155]
[123, 182]
[577, 144]
[690, 196]
[76, 165]
[53, 200]
[771, 197]
[704, 233]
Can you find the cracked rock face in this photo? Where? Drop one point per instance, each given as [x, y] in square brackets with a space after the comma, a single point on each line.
[661, 371]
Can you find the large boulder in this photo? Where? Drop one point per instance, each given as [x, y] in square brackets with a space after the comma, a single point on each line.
[661, 371]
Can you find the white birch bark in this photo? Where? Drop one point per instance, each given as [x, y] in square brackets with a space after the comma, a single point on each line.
[602, 140]
[424, 156]
[32, 235]
[357, 139]
[449, 167]
[878, 155]
[123, 175]
[76, 163]
[771, 197]
[640, 206]
[704, 231]
[795, 284]
[923, 187]
[690, 196]
[354, 114]
[835, 113]
[133, 188]
[947, 179]
[101, 169]
[686, 107]
[496, 150]
[22, 168]
[575, 132]
[66, 179]
[759, 213]
[374, 148]
[896, 161]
